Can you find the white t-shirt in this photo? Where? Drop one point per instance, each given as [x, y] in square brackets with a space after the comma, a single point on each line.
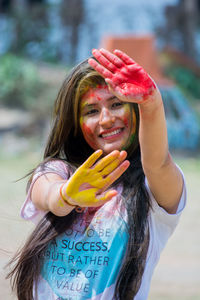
[84, 261]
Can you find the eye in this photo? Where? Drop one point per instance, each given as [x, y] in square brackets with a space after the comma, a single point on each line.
[92, 111]
[116, 104]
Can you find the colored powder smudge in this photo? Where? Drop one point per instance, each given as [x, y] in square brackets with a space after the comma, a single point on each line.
[140, 85]
[87, 129]
[126, 122]
[81, 121]
[88, 135]
[90, 92]
[130, 141]
[132, 138]
[99, 98]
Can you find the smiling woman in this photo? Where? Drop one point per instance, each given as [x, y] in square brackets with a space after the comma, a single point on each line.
[106, 122]
[107, 191]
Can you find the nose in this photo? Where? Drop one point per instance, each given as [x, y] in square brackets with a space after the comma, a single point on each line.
[106, 118]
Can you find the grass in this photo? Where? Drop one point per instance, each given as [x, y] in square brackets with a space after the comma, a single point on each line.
[177, 274]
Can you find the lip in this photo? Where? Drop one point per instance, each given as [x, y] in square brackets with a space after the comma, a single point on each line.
[113, 136]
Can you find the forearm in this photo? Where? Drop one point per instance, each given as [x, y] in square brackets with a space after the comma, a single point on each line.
[153, 133]
[130, 83]
[55, 203]
[46, 195]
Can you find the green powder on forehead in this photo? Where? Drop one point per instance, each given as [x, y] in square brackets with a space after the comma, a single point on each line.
[91, 85]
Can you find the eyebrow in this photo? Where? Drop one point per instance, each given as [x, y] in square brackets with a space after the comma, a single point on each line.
[93, 104]
[111, 98]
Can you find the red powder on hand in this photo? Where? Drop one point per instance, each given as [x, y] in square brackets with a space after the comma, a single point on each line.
[123, 74]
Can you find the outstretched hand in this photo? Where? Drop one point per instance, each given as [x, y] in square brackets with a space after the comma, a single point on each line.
[88, 185]
[126, 79]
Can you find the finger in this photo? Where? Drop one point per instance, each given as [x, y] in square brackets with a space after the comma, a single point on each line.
[112, 58]
[106, 160]
[92, 159]
[114, 89]
[112, 177]
[132, 94]
[124, 57]
[107, 196]
[110, 83]
[104, 61]
[136, 68]
[99, 68]
[112, 166]
[117, 91]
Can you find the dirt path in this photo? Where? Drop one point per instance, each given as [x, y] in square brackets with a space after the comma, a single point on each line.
[178, 273]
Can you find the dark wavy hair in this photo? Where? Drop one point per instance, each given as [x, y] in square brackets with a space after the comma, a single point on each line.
[65, 142]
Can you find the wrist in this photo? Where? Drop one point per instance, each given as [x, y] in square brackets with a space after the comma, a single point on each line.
[55, 203]
[152, 103]
[66, 199]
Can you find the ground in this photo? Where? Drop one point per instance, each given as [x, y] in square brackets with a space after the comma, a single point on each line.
[178, 273]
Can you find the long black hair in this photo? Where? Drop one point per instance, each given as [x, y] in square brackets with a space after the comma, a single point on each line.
[65, 142]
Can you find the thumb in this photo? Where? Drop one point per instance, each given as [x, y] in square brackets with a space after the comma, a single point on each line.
[115, 90]
[108, 195]
[110, 84]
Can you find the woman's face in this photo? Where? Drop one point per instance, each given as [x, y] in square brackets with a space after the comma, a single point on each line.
[106, 122]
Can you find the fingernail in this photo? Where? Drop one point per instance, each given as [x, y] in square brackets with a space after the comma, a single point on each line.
[124, 152]
[99, 150]
[115, 153]
[106, 80]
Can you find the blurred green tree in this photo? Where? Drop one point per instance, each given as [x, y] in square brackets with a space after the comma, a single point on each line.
[20, 85]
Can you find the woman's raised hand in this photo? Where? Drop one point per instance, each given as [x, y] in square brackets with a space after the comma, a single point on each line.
[126, 79]
[88, 185]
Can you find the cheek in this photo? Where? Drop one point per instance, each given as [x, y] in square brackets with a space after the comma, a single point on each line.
[129, 120]
[126, 121]
[86, 130]
[127, 117]
[88, 134]
[130, 123]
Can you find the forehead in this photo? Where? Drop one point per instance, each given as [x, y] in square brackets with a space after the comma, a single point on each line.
[98, 93]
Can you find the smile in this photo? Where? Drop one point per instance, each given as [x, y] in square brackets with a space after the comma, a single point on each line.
[111, 133]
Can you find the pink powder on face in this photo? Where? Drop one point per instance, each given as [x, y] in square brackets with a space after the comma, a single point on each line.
[126, 121]
[98, 98]
[87, 130]
[93, 92]
[127, 115]
[88, 134]
[101, 86]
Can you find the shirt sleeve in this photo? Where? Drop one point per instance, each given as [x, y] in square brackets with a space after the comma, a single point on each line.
[163, 224]
[59, 167]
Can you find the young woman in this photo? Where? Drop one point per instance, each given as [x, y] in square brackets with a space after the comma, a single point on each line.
[107, 195]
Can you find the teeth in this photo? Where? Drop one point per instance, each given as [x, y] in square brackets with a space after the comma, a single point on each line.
[111, 133]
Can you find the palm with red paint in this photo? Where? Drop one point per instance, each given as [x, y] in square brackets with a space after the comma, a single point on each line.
[126, 79]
